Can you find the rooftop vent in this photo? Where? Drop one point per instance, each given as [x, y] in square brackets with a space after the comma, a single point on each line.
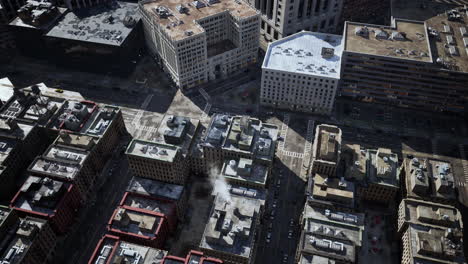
[198, 4]
[380, 34]
[162, 12]
[453, 51]
[464, 31]
[447, 29]
[181, 8]
[362, 31]
[188, 33]
[400, 36]
[327, 52]
[450, 40]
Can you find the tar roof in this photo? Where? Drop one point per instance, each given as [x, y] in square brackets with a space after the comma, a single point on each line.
[136, 222]
[152, 150]
[179, 26]
[308, 53]
[245, 170]
[384, 167]
[327, 143]
[432, 214]
[155, 188]
[108, 24]
[405, 40]
[57, 167]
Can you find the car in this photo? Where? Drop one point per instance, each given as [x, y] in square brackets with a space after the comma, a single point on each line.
[274, 204]
[291, 222]
[285, 258]
[58, 90]
[270, 226]
[269, 113]
[268, 237]
[290, 234]
[278, 183]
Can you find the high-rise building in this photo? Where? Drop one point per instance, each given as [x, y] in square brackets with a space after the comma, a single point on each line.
[201, 41]
[408, 64]
[281, 18]
[231, 231]
[301, 72]
[326, 150]
[30, 241]
[246, 173]
[333, 235]
[111, 249]
[53, 200]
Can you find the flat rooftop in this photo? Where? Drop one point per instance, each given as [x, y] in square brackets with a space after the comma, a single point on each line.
[179, 26]
[315, 259]
[432, 245]
[66, 154]
[73, 115]
[309, 53]
[327, 143]
[40, 195]
[6, 147]
[157, 206]
[110, 248]
[332, 190]
[152, 150]
[431, 214]
[404, 40]
[327, 246]
[384, 168]
[135, 222]
[101, 120]
[39, 15]
[14, 129]
[155, 188]
[76, 140]
[232, 222]
[54, 167]
[107, 24]
[23, 238]
[178, 131]
[356, 160]
[6, 88]
[244, 170]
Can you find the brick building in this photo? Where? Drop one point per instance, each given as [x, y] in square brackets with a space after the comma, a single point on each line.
[53, 200]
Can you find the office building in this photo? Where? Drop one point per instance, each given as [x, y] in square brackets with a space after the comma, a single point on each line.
[139, 226]
[157, 161]
[330, 192]
[201, 41]
[383, 177]
[429, 179]
[234, 137]
[231, 231]
[355, 159]
[408, 64]
[332, 235]
[418, 212]
[326, 150]
[282, 18]
[160, 191]
[301, 72]
[31, 241]
[111, 249]
[424, 244]
[53, 200]
[244, 172]
[192, 257]
[101, 38]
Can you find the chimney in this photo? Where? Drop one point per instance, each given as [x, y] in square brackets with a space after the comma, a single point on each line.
[64, 135]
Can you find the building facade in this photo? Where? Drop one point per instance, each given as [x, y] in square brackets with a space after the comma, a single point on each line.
[200, 41]
[302, 72]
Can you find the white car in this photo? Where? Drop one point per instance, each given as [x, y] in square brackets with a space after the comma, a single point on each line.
[290, 234]
[268, 237]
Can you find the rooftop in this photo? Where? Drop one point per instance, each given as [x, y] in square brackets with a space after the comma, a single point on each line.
[110, 248]
[384, 168]
[232, 222]
[73, 115]
[332, 190]
[356, 161]
[329, 246]
[315, 259]
[76, 140]
[38, 14]
[179, 19]
[310, 53]
[152, 150]
[23, 239]
[432, 245]
[6, 90]
[431, 214]
[178, 130]
[41, 195]
[66, 153]
[11, 128]
[158, 206]
[101, 120]
[155, 188]
[64, 168]
[245, 170]
[327, 143]
[108, 24]
[135, 222]
[405, 39]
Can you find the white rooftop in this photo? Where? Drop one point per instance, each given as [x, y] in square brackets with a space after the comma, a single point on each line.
[302, 53]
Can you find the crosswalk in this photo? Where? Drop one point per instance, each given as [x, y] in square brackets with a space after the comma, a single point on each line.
[464, 164]
[284, 131]
[206, 111]
[204, 94]
[292, 154]
[309, 136]
[147, 129]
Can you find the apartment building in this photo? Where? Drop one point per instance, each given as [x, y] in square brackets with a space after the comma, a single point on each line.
[418, 212]
[31, 241]
[246, 173]
[192, 257]
[53, 200]
[234, 137]
[281, 18]
[428, 179]
[201, 41]
[158, 161]
[326, 150]
[331, 235]
[139, 226]
[111, 249]
[301, 72]
[231, 231]
[408, 64]
[148, 189]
